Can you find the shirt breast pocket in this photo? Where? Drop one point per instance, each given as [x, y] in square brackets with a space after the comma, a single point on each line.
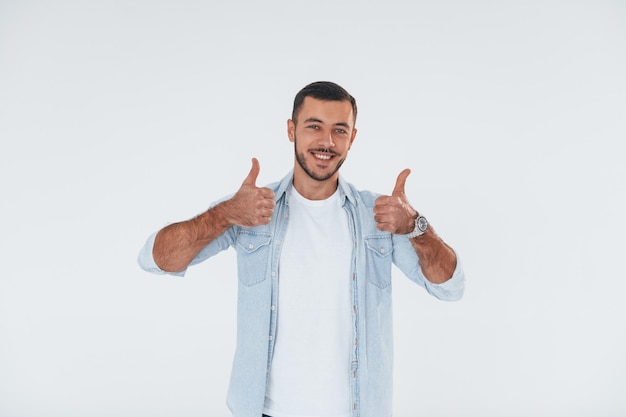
[253, 254]
[378, 259]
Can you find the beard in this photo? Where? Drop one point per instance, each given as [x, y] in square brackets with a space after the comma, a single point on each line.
[301, 161]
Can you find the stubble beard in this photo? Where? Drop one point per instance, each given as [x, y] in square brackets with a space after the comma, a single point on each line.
[301, 161]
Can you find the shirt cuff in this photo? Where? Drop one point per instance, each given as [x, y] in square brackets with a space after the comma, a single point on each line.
[452, 289]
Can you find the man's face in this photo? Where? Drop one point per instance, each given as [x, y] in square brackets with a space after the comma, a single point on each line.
[323, 133]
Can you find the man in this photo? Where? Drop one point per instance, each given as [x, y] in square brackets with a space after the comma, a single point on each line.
[314, 259]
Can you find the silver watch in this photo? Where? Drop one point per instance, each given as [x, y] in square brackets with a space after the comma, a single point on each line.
[421, 225]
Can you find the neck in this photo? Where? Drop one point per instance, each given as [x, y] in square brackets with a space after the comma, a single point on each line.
[312, 189]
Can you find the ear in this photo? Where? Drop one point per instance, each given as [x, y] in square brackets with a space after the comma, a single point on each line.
[291, 130]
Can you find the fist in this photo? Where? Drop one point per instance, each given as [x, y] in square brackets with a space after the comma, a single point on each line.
[252, 206]
[393, 213]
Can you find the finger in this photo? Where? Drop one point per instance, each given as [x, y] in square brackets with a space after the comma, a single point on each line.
[379, 218]
[384, 200]
[400, 182]
[267, 205]
[383, 227]
[267, 193]
[381, 209]
[253, 174]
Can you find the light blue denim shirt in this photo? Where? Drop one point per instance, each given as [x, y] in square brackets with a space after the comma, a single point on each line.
[258, 254]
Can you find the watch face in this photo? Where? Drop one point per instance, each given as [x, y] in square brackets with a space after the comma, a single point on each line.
[422, 223]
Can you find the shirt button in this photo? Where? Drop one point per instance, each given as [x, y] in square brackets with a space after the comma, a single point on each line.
[382, 250]
[270, 337]
[273, 273]
[250, 246]
[273, 308]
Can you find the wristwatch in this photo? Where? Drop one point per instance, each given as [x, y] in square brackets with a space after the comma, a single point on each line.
[421, 225]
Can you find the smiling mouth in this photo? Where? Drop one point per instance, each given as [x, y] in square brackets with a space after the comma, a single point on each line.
[323, 154]
[323, 157]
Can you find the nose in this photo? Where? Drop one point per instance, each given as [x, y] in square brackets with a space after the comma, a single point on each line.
[326, 140]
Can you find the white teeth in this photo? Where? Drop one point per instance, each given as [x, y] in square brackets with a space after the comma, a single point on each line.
[320, 156]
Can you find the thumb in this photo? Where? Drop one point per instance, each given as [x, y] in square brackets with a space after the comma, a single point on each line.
[400, 182]
[254, 173]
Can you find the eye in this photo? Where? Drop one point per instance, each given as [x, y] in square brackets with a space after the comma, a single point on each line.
[341, 131]
[314, 127]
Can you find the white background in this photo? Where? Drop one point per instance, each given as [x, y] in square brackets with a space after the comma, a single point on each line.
[118, 117]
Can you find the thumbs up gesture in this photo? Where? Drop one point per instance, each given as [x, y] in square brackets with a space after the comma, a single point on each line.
[393, 213]
[251, 206]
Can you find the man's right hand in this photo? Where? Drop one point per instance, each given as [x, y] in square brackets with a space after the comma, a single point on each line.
[176, 245]
[251, 206]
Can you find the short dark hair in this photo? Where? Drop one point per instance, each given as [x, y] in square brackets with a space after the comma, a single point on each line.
[322, 90]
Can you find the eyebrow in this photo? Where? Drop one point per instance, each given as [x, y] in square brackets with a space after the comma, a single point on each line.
[315, 120]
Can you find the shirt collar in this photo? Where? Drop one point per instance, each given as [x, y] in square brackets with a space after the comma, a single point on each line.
[345, 191]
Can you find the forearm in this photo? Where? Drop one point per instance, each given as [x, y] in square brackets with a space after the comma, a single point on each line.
[176, 245]
[437, 259]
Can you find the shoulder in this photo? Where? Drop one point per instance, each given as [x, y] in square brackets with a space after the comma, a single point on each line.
[364, 197]
[274, 186]
[280, 187]
[368, 197]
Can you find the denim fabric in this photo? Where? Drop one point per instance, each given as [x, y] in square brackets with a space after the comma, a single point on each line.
[258, 253]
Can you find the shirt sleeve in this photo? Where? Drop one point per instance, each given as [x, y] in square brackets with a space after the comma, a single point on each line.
[452, 289]
[406, 259]
[223, 242]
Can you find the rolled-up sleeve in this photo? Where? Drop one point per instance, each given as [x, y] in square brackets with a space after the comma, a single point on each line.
[407, 261]
[452, 289]
[146, 260]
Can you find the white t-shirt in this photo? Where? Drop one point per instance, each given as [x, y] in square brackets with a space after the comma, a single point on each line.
[310, 375]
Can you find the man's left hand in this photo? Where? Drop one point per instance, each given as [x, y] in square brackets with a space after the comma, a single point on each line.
[393, 213]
